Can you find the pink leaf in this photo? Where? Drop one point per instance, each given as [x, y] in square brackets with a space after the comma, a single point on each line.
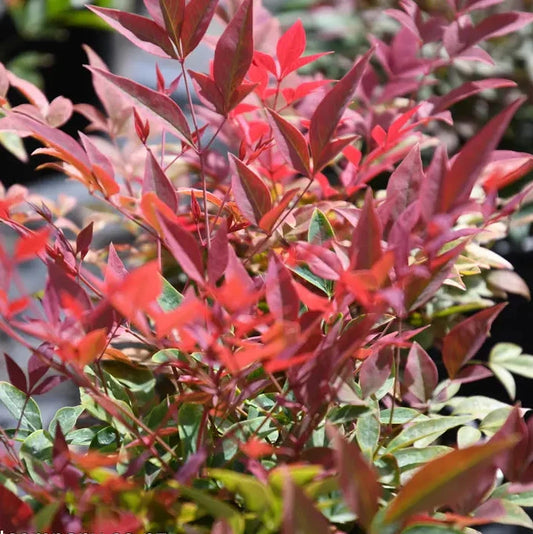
[141, 31]
[162, 105]
[463, 341]
[115, 269]
[156, 180]
[403, 186]
[468, 89]
[281, 295]
[291, 143]
[184, 248]
[330, 110]
[420, 374]
[234, 53]
[466, 166]
[375, 370]
[250, 192]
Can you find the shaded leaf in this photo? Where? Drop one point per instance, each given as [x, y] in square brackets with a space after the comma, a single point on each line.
[420, 374]
[184, 247]
[198, 15]
[251, 194]
[329, 111]
[444, 480]
[358, 480]
[463, 341]
[281, 295]
[20, 406]
[291, 143]
[234, 53]
[156, 180]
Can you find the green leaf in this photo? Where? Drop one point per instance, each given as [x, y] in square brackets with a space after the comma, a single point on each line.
[189, 420]
[400, 416]
[168, 355]
[138, 381]
[424, 429]
[66, 417]
[468, 435]
[300, 474]
[20, 406]
[320, 229]
[429, 528]
[215, 508]
[476, 406]
[524, 498]
[367, 434]
[324, 285]
[13, 143]
[412, 457]
[514, 515]
[257, 496]
[36, 448]
[492, 422]
[505, 377]
[170, 297]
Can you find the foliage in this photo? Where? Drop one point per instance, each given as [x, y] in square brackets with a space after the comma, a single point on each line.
[280, 344]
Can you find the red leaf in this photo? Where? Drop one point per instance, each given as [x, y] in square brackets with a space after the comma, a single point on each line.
[209, 90]
[15, 514]
[160, 104]
[281, 295]
[234, 53]
[83, 240]
[48, 384]
[251, 194]
[515, 462]
[29, 246]
[467, 165]
[432, 184]
[183, 246]
[332, 150]
[299, 513]
[156, 180]
[198, 15]
[217, 258]
[505, 168]
[330, 110]
[444, 480]
[271, 216]
[366, 240]
[136, 291]
[290, 47]
[141, 31]
[291, 143]
[37, 368]
[173, 12]
[463, 341]
[16, 374]
[420, 375]
[358, 479]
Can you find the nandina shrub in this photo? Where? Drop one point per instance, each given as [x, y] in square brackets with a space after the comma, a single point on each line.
[256, 358]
